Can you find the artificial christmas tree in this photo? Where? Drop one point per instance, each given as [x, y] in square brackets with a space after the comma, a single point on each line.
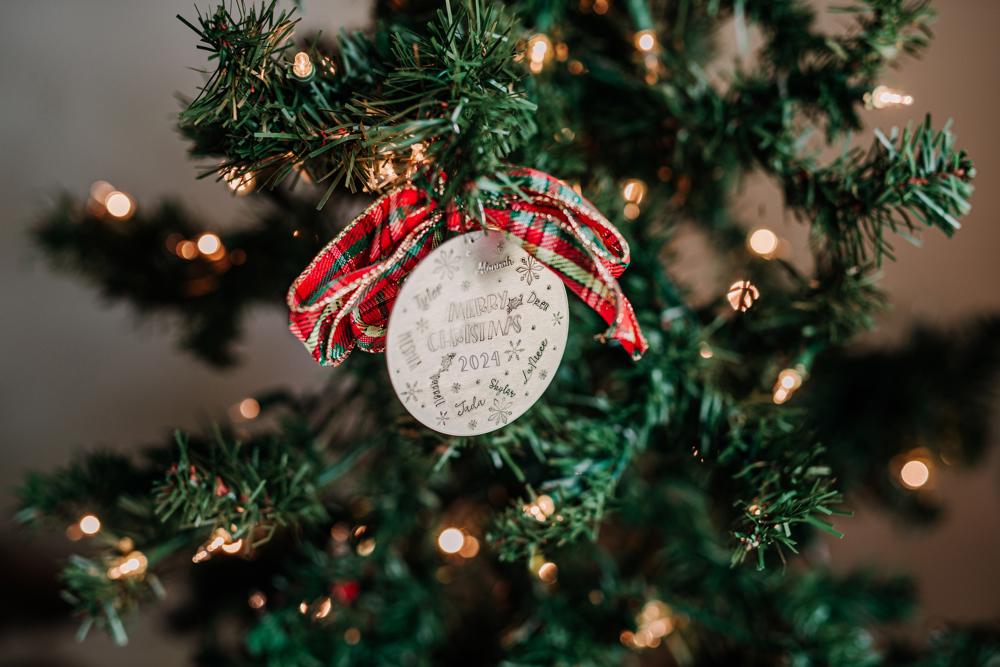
[647, 510]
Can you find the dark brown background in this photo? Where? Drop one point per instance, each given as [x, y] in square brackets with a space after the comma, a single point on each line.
[88, 93]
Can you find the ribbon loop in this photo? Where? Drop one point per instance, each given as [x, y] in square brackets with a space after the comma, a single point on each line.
[344, 297]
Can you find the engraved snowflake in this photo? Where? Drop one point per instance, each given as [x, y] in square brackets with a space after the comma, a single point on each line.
[500, 411]
[422, 325]
[500, 248]
[542, 374]
[456, 387]
[442, 418]
[466, 285]
[412, 392]
[446, 264]
[473, 424]
[557, 319]
[515, 350]
[530, 269]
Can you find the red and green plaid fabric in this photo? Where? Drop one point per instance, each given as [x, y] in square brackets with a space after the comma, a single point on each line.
[344, 297]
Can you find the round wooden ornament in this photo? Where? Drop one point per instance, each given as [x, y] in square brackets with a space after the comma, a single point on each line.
[476, 334]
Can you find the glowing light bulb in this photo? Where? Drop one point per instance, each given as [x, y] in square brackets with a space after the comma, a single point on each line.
[240, 184]
[546, 504]
[257, 600]
[210, 245]
[118, 204]
[90, 524]
[324, 608]
[451, 540]
[100, 190]
[187, 250]
[548, 572]
[249, 408]
[914, 474]
[645, 40]
[742, 294]
[132, 564]
[470, 547]
[883, 97]
[539, 52]
[764, 242]
[705, 351]
[633, 190]
[302, 66]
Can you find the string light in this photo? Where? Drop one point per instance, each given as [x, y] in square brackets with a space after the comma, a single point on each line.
[705, 351]
[89, 524]
[302, 66]
[130, 565]
[119, 205]
[789, 380]
[763, 242]
[541, 509]
[914, 474]
[249, 408]
[187, 250]
[323, 611]
[240, 184]
[470, 547]
[100, 190]
[257, 600]
[450, 540]
[633, 190]
[210, 245]
[539, 52]
[883, 97]
[366, 547]
[645, 41]
[654, 622]
[548, 572]
[742, 294]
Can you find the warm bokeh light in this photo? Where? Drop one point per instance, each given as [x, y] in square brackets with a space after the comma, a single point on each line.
[302, 67]
[633, 190]
[366, 547]
[325, 605]
[352, 636]
[132, 564]
[470, 547]
[645, 40]
[705, 351]
[257, 600]
[742, 294]
[451, 540]
[548, 572]
[100, 190]
[764, 242]
[249, 408]
[914, 474]
[233, 547]
[118, 204]
[539, 52]
[187, 250]
[90, 524]
[240, 184]
[210, 245]
[883, 97]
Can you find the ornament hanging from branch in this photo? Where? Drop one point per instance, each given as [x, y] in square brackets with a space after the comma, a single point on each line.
[489, 297]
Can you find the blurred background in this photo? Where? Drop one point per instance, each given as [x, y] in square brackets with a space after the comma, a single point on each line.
[89, 92]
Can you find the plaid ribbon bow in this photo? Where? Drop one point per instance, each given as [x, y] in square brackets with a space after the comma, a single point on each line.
[344, 297]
